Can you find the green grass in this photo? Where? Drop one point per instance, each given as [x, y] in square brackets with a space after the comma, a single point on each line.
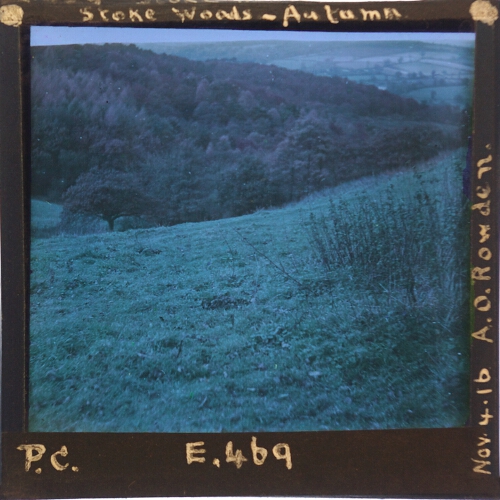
[237, 325]
[45, 217]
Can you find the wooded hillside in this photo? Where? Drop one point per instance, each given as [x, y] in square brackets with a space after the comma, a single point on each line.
[202, 140]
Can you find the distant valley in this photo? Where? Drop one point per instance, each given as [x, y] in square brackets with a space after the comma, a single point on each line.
[431, 72]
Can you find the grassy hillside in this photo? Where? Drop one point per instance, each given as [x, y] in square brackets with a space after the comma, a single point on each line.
[279, 320]
[45, 216]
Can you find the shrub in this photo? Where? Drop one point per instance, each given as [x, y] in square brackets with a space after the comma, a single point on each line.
[407, 240]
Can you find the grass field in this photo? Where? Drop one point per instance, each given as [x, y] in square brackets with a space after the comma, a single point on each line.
[45, 216]
[347, 310]
[450, 94]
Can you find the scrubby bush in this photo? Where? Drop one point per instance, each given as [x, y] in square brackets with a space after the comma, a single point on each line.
[401, 242]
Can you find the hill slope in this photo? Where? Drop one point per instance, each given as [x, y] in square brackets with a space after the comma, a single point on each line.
[300, 318]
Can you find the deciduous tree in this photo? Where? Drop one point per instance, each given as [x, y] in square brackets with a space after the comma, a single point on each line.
[108, 194]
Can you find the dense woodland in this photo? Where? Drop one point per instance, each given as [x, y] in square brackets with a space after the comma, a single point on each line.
[120, 131]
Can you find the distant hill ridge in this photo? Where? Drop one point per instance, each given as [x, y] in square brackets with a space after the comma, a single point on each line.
[403, 67]
[275, 50]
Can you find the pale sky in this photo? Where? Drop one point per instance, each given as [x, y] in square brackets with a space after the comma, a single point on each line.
[63, 35]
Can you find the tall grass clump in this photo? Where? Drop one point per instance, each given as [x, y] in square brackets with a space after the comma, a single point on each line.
[401, 252]
[407, 241]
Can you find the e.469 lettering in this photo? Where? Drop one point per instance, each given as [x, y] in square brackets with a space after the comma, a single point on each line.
[281, 451]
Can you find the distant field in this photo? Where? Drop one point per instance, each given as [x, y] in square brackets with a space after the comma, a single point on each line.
[272, 51]
[359, 61]
[439, 94]
[424, 67]
[282, 320]
[44, 214]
